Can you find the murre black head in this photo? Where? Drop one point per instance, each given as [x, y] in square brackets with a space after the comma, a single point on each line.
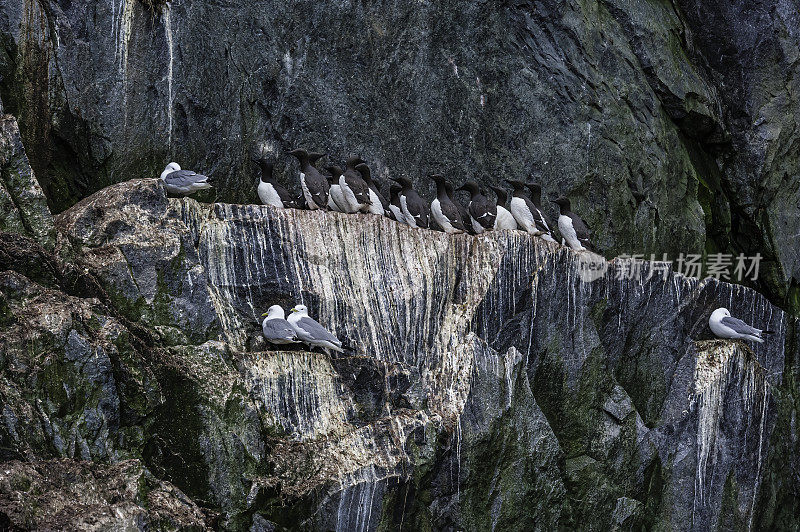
[402, 181]
[501, 194]
[314, 156]
[535, 188]
[518, 185]
[436, 178]
[299, 153]
[563, 203]
[536, 192]
[334, 170]
[266, 169]
[365, 172]
[354, 160]
[471, 187]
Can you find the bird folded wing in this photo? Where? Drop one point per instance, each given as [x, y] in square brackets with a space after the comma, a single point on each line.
[739, 326]
[184, 178]
[278, 330]
[317, 331]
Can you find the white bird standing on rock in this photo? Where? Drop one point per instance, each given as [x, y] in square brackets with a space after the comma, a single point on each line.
[336, 201]
[504, 219]
[270, 192]
[183, 182]
[528, 210]
[574, 230]
[724, 326]
[311, 332]
[275, 327]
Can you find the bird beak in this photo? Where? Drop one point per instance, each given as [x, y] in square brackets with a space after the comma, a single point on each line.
[294, 309]
[264, 314]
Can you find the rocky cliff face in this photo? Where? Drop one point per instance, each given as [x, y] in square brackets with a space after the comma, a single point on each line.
[485, 383]
[694, 103]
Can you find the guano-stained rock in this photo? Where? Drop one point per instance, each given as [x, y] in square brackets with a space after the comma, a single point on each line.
[482, 373]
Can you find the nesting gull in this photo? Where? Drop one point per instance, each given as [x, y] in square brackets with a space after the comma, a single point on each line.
[275, 327]
[311, 332]
[724, 326]
[183, 182]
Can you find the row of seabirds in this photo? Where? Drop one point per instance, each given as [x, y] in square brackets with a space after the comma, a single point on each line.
[353, 190]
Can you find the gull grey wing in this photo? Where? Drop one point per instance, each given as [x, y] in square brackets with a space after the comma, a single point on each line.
[278, 330]
[184, 178]
[317, 331]
[739, 326]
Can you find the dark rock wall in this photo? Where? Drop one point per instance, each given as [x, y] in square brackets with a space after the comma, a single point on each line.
[694, 102]
[486, 384]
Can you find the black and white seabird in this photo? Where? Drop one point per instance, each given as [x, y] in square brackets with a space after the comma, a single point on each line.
[462, 211]
[504, 220]
[482, 212]
[572, 228]
[183, 182]
[444, 210]
[336, 201]
[314, 184]
[528, 211]
[311, 332]
[275, 328]
[270, 192]
[378, 203]
[724, 326]
[415, 210]
[394, 203]
[354, 188]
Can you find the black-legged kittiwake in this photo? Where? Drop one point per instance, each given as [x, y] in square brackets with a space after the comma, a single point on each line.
[724, 326]
[183, 182]
[275, 327]
[311, 332]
